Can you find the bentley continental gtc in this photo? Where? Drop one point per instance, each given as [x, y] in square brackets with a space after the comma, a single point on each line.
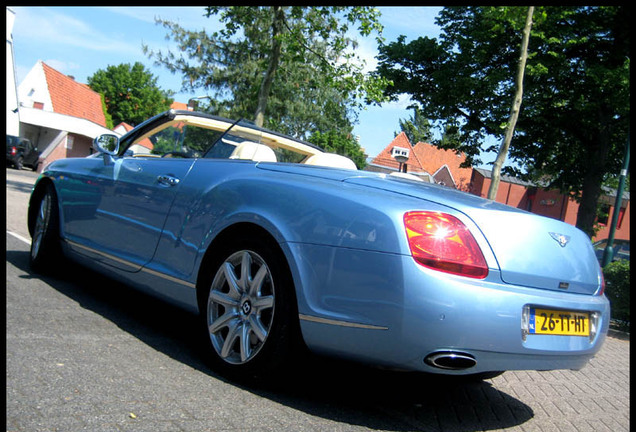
[277, 244]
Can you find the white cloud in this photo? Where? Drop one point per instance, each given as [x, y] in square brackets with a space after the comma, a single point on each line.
[49, 24]
[65, 67]
[191, 18]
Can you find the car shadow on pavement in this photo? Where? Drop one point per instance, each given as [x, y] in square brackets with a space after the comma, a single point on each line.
[336, 390]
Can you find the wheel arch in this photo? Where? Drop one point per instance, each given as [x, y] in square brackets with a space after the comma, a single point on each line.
[214, 250]
[36, 196]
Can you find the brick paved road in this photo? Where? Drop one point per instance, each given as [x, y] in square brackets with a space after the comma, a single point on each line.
[84, 353]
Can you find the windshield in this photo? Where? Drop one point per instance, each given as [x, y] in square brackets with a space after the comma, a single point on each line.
[200, 137]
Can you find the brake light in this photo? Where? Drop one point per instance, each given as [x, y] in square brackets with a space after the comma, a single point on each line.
[442, 242]
[602, 290]
[13, 150]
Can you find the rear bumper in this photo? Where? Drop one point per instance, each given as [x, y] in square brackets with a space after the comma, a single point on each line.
[385, 309]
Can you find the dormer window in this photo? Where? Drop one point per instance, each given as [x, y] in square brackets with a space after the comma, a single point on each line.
[400, 152]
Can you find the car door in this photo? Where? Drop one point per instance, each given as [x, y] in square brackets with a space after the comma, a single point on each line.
[115, 212]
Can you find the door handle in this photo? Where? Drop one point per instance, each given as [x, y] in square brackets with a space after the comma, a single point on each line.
[167, 180]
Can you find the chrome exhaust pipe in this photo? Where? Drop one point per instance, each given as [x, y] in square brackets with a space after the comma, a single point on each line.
[451, 360]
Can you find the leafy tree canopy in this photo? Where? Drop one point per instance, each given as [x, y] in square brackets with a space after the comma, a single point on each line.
[130, 92]
[345, 145]
[575, 114]
[417, 128]
[294, 65]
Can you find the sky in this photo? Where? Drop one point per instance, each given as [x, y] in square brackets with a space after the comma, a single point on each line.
[79, 41]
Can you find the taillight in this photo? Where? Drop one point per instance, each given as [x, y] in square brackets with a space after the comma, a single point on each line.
[442, 242]
[13, 151]
[602, 290]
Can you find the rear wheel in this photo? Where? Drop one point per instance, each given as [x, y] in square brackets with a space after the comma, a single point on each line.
[45, 239]
[19, 162]
[248, 310]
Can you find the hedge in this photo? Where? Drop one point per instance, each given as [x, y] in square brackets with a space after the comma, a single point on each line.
[617, 291]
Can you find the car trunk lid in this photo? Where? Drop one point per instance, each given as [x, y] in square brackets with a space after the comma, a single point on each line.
[531, 250]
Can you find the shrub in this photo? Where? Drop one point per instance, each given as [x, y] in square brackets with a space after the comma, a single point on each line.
[617, 291]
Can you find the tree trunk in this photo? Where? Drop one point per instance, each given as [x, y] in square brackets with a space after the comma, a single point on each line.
[514, 110]
[274, 57]
[591, 191]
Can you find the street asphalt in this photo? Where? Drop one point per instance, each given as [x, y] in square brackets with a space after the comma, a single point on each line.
[85, 353]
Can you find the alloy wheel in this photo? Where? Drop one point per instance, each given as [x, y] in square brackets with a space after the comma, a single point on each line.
[240, 308]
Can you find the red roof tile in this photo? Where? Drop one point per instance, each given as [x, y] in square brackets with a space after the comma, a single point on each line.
[179, 106]
[426, 158]
[72, 98]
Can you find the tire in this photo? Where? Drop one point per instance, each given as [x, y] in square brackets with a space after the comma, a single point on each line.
[18, 163]
[45, 240]
[248, 311]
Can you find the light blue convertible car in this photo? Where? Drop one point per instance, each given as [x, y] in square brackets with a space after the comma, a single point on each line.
[277, 245]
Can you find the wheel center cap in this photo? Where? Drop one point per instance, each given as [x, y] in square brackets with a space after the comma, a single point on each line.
[246, 307]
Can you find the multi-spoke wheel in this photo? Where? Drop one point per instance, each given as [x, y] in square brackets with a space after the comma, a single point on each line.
[45, 233]
[248, 309]
[241, 307]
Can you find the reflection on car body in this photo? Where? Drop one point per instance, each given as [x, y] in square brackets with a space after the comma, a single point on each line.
[277, 243]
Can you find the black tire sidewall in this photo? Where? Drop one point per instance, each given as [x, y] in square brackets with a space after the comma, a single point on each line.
[279, 344]
[49, 253]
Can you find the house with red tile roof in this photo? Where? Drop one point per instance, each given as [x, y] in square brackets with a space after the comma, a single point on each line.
[423, 160]
[443, 167]
[58, 114]
[145, 145]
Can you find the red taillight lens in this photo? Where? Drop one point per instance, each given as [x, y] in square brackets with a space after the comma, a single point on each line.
[602, 284]
[13, 151]
[442, 242]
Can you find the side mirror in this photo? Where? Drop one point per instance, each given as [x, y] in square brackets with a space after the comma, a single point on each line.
[107, 143]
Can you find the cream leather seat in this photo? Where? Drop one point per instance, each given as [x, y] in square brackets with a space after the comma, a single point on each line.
[331, 160]
[253, 151]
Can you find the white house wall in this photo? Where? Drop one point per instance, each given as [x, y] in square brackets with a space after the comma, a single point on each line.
[13, 115]
[34, 88]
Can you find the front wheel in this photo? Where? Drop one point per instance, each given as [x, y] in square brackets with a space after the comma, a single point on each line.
[45, 238]
[248, 312]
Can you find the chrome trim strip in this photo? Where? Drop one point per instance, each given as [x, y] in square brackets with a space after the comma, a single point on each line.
[170, 278]
[339, 323]
[104, 254]
[128, 263]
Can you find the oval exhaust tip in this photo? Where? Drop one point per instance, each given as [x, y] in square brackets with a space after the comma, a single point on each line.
[451, 360]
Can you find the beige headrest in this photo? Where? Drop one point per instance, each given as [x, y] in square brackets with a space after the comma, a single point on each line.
[253, 151]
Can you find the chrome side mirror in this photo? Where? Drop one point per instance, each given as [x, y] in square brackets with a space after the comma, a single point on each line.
[107, 143]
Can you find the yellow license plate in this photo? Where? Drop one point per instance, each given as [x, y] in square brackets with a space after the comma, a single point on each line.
[559, 322]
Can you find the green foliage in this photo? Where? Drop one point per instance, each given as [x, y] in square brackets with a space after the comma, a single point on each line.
[130, 92]
[317, 80]
[417, 128]
[109, 118]
[575, 113]
[617, 289]
[334, 142]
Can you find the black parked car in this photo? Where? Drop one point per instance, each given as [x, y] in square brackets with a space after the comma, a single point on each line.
[20, 152]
